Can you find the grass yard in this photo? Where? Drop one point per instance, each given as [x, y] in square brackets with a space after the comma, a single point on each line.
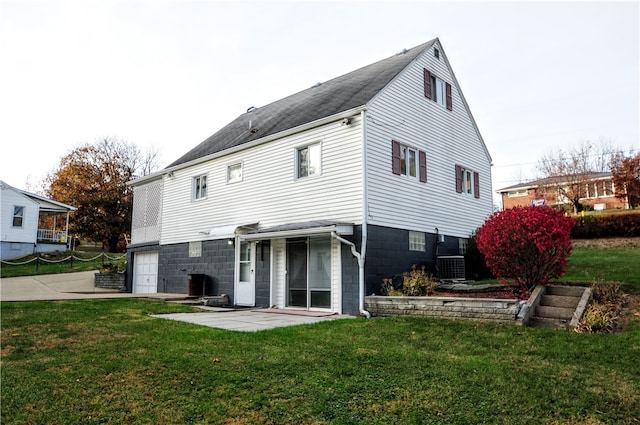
[611, 260]
[57, 266]
[109, 362]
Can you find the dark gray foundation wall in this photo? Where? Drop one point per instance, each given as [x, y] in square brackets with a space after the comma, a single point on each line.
[216, 263]
[388, 254]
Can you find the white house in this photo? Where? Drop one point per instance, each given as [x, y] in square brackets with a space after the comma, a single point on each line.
[31, 223]
[311, 201]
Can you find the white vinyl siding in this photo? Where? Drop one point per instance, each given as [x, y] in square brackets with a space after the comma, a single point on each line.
[147, 212]
[269, 193]
[27, 232]
[401, 112]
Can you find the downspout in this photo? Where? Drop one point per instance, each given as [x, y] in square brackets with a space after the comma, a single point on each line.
[360, 259]
[365, 216]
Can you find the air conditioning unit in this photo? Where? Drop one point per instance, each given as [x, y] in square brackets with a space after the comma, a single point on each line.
[451, 267]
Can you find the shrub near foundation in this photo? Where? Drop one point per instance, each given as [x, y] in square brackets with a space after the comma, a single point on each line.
[416, 283]
[527, 244]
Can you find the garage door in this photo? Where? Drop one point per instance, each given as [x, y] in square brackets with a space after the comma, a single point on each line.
[145, 272]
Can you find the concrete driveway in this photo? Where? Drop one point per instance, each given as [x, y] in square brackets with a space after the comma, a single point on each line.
[80, 285]
[62, 286]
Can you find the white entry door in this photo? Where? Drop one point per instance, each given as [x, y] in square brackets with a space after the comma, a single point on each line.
[245, 276]
[145, 272]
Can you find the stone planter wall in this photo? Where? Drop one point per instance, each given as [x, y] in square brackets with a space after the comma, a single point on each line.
[463, 308]
[114, 281]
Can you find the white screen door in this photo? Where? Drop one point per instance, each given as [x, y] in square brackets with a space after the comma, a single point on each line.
[245, 286]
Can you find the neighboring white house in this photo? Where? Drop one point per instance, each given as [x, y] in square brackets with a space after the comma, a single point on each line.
[311, 201]
[24, 229]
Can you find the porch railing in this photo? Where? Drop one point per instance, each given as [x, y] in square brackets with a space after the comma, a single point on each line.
[52, 235]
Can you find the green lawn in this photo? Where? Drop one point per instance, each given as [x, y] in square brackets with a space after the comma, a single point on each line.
[108, 361]
[611, 260]
[54, 265]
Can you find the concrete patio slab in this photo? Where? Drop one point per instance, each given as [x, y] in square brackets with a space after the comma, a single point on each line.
[247, 320]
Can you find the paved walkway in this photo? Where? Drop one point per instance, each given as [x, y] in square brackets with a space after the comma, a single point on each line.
[80, 285]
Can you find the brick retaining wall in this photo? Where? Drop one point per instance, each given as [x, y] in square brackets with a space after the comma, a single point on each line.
[500, 310]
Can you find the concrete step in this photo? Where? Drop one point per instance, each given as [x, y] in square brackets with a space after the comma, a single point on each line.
[559, 301]
[555, 312]
[547, 322]
[565, 291]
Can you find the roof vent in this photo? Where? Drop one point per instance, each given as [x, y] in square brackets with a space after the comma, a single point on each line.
[402, 52]
[251, 109]
[318, 84]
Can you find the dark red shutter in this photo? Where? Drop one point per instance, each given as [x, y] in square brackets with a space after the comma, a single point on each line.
[458, 179]
[395, 157]
[422, 161]
[427, 84]
[476, 184]
[449, 97]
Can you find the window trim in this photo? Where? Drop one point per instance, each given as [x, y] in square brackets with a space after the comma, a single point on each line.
[19, 216]
[197, 189]
[238, 179]
[417, 241]
[296, 160]
[464, 175]
[431, 82]
[397, 149]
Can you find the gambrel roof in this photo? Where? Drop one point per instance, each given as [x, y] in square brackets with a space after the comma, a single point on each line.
[332, 97]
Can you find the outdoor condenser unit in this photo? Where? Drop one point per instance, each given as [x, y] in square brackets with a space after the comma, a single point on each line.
[451, 267]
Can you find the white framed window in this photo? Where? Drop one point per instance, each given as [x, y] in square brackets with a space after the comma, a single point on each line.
[417, 241]
[517, 193]
[234, 172]
[195, 249]
[408, 161]
[18, 216]
[438, 90]
[467, 181]
[200, 187]
[308, 161]
[463, 243]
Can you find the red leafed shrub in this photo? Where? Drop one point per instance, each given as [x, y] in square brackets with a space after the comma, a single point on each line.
[528, 244]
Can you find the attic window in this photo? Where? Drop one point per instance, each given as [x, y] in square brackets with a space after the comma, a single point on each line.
[438, 90]
[436, 53]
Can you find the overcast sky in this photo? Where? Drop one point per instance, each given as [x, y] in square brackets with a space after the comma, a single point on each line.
[168, 73]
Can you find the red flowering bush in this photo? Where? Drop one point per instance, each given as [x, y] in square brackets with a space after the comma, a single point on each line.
[528, 244]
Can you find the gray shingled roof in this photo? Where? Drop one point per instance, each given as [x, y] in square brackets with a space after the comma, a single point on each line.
[329, 98]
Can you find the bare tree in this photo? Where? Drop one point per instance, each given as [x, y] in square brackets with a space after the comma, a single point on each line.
[566, 173]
